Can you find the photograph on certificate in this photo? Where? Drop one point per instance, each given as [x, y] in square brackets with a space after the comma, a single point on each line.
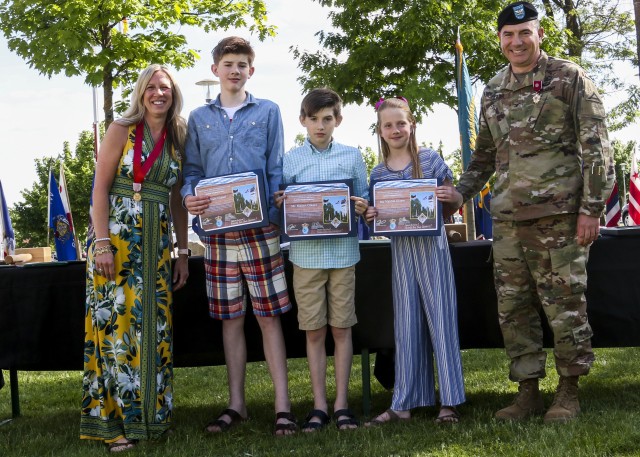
[237, 202]
[318, 210]
[406, 207]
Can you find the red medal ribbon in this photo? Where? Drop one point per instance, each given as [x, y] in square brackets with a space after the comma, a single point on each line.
[537, 85]
[140, 170]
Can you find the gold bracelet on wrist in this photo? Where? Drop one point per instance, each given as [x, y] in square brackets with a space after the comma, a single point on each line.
[103, 250]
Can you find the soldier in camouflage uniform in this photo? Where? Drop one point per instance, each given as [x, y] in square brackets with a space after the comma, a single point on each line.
[542, 132]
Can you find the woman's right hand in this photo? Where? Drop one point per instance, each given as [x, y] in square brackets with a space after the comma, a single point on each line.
[104, 264]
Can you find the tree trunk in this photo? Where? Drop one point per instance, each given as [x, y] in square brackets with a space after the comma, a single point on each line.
[575, 44]
[548, 10]
[107, 88]
[107, 78]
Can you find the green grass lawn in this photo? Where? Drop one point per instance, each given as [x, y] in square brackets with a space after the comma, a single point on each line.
[608, 426]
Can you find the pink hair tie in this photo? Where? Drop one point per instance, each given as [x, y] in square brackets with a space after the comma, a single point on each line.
[381, 101]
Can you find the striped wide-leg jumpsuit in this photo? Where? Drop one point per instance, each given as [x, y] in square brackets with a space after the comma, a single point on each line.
[425, 323]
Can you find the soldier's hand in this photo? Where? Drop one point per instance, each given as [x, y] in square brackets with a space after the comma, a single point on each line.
[588, 229]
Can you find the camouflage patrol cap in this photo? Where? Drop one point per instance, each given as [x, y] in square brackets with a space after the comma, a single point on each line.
[517, 13]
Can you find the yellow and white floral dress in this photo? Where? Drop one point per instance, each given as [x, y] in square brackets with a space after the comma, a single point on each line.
[128, 361]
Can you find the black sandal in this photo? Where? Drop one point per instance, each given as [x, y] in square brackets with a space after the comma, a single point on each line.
[452, 417]
[224, 426]
[315, 426]
[291, 426]
[350, 419]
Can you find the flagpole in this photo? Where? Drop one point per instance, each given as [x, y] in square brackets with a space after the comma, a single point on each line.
[48, 206]
[464, 126]
[65, 189]
[96, 133]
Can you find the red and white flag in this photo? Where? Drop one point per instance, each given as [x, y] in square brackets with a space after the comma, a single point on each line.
[634, 191]
[612, 216]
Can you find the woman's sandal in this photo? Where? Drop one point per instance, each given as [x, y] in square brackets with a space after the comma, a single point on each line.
[452, 417]
[309, 426]
[123, 446]
[291, 426]
[344, 424]
[393, 417]
[225, 426]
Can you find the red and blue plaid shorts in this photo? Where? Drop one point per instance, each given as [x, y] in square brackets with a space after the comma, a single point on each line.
[250, 257]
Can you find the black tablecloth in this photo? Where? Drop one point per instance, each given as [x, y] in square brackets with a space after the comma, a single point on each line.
[42, 308]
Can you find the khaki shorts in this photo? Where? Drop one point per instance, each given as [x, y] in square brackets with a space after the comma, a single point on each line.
[325, 296]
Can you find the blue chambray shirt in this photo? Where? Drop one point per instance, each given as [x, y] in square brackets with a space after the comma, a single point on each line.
[305, 164]
[218, 146]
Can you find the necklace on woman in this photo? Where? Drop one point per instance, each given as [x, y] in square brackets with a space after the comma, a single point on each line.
[140, 170]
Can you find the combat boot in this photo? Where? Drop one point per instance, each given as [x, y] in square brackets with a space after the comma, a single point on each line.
[565, 406]
[527, 403]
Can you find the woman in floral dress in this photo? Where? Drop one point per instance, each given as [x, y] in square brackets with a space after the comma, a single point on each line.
[128, 363]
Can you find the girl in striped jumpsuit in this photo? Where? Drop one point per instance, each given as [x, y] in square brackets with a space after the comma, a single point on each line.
[424, 295]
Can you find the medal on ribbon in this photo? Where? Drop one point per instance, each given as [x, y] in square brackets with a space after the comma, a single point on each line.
[140, 170]
[537, 87]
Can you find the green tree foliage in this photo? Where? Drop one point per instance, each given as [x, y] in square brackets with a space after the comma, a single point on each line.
[386, 48]
[299, 140]
[370, 158]
[29, 217]
[597, 34]
[83, 37]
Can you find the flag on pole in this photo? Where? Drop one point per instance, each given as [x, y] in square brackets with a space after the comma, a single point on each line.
[468, 128]
[7, 237]
[58, 221]
[634, 191]
[613, 213]
[467, 115]
[64, 196]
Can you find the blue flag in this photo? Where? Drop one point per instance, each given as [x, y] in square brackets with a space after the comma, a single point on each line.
[468, 127]
[7, 237]
[482, 213]
[58, 221]
[467, 115]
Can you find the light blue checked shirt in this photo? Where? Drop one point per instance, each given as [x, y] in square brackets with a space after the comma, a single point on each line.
[307, 164]
[217, 146]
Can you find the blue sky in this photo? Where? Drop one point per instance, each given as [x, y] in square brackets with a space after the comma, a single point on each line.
[38, 114]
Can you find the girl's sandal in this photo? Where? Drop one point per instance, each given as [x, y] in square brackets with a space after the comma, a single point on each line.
[452, 417]
[393, 417]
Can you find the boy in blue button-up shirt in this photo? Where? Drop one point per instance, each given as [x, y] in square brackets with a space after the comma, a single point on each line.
[324, 269]
[235, 133]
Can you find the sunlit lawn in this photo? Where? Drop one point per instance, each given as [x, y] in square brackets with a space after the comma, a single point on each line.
[609, 425]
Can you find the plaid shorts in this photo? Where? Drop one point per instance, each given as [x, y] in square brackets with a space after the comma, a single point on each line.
[253, 255]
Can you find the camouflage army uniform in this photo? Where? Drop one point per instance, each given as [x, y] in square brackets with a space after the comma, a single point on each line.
[545, 138]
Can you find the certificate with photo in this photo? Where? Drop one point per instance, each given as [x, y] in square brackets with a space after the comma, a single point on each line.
[318, 210]
[406, 207]
[237, 202]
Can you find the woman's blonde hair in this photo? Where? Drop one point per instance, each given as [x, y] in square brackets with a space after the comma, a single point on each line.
[402, 104]
[176, 125]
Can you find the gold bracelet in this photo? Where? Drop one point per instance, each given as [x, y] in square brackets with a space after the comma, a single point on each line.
[103, 250]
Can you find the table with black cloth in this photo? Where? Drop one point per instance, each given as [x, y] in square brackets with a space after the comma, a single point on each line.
[42, 310]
